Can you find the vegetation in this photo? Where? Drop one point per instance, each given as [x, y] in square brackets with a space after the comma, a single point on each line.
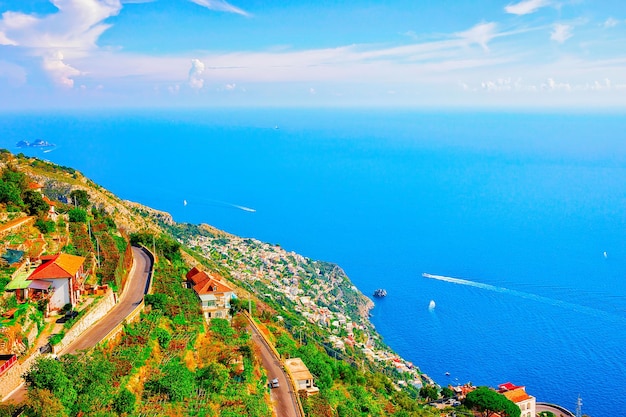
[487, 401]
[170, 362]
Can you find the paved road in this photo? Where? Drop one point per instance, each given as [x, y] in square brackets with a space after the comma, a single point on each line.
[559, 412]
[135, 290]
[132, 296]
[283, 398]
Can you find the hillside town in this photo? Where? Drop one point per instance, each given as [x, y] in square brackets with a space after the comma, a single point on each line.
[320, 292]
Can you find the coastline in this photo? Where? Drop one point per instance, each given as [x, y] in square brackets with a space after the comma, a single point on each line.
[319, 291]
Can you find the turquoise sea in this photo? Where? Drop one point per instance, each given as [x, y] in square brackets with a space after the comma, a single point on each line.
[522, 217]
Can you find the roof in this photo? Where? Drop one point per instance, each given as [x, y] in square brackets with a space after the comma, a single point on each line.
[298, 369]
[204, 283]
[508, 386]
[517, 395]
[20, 282]
[211, 286]
[40, 285]
[34, 186]
[192, 272]
[58, 266]
[198, 277]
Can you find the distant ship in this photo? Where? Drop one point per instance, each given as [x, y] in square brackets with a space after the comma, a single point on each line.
[380, 293]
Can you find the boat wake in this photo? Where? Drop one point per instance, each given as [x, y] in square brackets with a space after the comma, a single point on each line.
[546, 300]
[248, 209]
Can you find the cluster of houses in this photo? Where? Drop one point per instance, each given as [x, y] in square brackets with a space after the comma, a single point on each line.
[251, 260]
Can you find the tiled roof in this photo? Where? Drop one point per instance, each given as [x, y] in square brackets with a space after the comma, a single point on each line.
[58, 266]
[211, 286]
[193, 272]
[516, 395]
[207, 283]
[198, 278]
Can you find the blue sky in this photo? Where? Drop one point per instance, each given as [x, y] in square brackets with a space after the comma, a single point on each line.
[427, 53]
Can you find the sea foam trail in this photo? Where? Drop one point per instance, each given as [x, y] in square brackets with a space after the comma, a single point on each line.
[248, 209]
[227, 204]
[550, 301]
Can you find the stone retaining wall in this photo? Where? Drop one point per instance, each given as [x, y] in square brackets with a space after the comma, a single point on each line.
[96, 313]
[13, 377]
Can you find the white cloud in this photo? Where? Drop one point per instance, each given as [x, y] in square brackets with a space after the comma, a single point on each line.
[61, 73]
[77, 24]
[312, 91]
[526, 6]
[195, 80]
[561, 32]
[610, 23]
[221, 6]
[230, 87]
[480, 34]
[552, 85]
[70, 32]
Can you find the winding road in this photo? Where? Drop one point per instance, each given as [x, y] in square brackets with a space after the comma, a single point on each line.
[136, 288]
[283, 398]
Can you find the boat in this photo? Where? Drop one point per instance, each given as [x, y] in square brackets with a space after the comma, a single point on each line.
[380, 293]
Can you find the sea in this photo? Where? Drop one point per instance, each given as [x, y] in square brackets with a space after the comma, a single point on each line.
[500, 237]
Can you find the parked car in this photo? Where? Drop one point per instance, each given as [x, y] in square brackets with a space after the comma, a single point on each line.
[274, 383]
[71, 314]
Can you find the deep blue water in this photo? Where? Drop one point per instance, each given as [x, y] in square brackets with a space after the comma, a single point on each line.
[526, 204]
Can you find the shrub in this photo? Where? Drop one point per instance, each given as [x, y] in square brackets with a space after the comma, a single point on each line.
[45, 226]
[163, 336]
[124, 402]
[77, 215]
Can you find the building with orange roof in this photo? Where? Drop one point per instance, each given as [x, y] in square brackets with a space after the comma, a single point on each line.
[517, 394]
[213, 292]
[59, 278]
[33, 186]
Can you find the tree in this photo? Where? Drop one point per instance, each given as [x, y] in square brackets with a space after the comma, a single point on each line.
[35, 204]
[124, 402]
[177, 381]
[487, 401]
[49, 374]
[77, 215]
[43, 403]
[45, 226]
[13, 176]
[157, 301]
[10, 194]
[429, 392]
[214, 377]
[80, 198]
[446, 392]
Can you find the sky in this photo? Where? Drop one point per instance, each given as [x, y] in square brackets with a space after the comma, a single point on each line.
[405, 53]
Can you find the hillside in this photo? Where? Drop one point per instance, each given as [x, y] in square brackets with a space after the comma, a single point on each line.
[171, 361]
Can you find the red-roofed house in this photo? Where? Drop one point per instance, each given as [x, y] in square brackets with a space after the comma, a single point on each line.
[61, 277]
[214, 294]
[33, 186]
[517, 394]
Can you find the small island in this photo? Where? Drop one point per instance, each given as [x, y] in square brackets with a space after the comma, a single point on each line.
[380, 293]
[39, 143]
